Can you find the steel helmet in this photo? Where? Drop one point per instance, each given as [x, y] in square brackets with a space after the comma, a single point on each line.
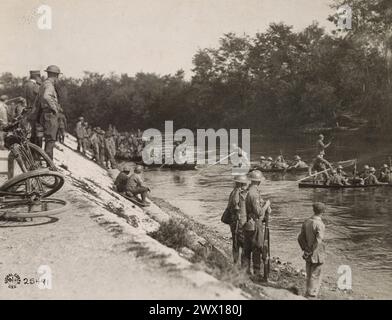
[241, 179]
[262, 158]
[4, 97]
[81, 118]
[138, 169]
[297, 157]
[256, 175]
[321, 136]
[366, 167]
[385, 165]
[269, 159]
[372, 169]
[53, 69]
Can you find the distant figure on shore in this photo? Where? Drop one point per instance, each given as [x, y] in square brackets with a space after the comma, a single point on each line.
[311, 242]
[79, 130]
[321, 146]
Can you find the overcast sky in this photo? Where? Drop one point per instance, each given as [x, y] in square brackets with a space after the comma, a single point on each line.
[128, 36]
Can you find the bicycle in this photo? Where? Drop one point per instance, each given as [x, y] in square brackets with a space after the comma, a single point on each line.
[23, 197]
[28, 156]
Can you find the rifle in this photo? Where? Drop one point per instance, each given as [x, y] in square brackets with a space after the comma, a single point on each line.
[266, 252]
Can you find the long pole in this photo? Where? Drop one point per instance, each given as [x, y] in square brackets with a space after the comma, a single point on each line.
[217, 162]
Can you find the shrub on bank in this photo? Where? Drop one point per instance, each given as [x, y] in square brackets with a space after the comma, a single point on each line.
[173, 234]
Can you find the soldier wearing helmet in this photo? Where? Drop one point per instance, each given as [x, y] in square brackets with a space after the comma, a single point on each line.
[237, 210]
[320, 165]
[267, 164]
[257, 212]
[49, 107]
[121, 181]
[385, 174]
[136, 185]
[298, 163]
[321, 146]
[371, 179]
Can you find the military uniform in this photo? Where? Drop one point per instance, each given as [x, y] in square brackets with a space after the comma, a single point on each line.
[254, 239]
[237, 208]
[135, 186]
[121, 182]
[3, 122]
[48, 110]
[62, 127]
[79, 130]
[310, 240]
[110, 150]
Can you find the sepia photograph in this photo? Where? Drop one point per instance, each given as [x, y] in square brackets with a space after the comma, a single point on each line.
[214, 151]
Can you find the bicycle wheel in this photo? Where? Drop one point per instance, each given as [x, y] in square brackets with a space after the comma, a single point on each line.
[32, 183]
[32, 209]
[30, 157]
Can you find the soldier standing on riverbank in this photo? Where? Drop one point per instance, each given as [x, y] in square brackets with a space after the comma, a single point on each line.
[311, 242]
[257, 211]
[237, 209]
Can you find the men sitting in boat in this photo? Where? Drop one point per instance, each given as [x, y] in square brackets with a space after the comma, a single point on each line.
[268, 163]
[371, 179]
[263, 162]
[385, 174]
[136, 185]
[359, 178]
[298, 163]
[280, 163]
[321, 165]
[337, 179]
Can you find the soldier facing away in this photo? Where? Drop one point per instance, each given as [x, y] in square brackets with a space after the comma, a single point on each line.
[311, 242]
[49, 107]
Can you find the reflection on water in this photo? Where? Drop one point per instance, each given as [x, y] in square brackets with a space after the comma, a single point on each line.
[358, 221]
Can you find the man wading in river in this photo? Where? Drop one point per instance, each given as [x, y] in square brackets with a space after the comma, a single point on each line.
[257, 211]
[311, 242]
[237, 210]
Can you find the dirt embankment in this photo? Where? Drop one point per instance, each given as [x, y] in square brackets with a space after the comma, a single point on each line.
[99, 249]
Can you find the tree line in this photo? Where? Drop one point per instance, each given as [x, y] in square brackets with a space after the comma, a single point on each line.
[277, 80]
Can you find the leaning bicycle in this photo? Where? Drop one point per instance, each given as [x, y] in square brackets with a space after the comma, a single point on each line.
[27, 155]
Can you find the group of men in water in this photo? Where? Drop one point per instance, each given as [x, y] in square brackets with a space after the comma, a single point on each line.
[280, 164]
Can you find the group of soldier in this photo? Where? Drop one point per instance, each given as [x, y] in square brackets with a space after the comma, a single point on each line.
[281, 164]
[107, 146]
[247, 214]
[39, 110]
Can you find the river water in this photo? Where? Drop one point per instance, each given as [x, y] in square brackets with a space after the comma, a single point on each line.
[358, 221]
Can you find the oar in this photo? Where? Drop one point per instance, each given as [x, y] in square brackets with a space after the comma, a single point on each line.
[314, 174]
[224, 158]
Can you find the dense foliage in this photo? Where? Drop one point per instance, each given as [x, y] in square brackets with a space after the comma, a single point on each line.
[275, 80]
